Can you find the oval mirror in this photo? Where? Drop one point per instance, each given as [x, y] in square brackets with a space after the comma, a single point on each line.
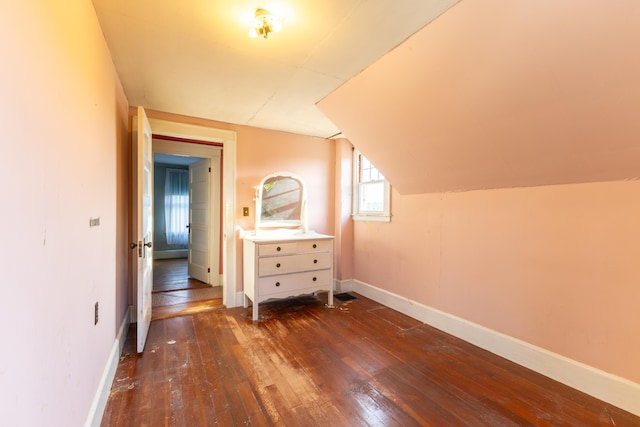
[281, 202]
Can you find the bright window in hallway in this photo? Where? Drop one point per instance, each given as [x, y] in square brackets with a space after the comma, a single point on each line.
[176, 206]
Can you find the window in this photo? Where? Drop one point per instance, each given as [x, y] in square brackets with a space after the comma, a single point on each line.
[371, 191]
[176, 206]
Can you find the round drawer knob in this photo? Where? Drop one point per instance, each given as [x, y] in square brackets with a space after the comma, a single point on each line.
[277, 283]
[314, 279]
[278, 249]
[315, 261]
[315, 246]
[278, 265]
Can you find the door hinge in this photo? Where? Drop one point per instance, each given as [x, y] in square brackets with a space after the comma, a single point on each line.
[209, 270]
[209, 170]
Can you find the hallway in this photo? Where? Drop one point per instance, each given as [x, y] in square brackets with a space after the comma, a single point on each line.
[176, 294]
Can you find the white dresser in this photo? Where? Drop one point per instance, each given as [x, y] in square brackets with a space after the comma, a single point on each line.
[281, 266]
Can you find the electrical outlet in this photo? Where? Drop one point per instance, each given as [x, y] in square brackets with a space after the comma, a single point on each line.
[95, 315]
[245, 211]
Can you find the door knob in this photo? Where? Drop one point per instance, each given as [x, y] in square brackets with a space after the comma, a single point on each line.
[148, 244]
[133, 245]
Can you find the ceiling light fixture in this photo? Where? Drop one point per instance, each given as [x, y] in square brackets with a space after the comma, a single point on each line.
[264, 23]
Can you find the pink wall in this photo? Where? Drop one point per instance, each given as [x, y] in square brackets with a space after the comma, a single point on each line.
[63, 112]
[502, 93]
[491, 96]
[260, 152]
[555, 266]
[343, 265]
[124, 272]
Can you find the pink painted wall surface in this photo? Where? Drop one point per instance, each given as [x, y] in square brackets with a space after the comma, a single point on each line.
[260, 152]
[502, 93]
[555, 266]
[343, 266]
[492, 96]
[61, 109]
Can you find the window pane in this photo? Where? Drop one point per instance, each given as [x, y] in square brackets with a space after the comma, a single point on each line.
[364, 163]
[366, 175]
[176, 206]
[372, 197]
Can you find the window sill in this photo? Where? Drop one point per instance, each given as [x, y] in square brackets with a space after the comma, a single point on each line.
[371, 218]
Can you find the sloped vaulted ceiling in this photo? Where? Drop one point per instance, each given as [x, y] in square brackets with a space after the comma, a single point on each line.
[502, 93]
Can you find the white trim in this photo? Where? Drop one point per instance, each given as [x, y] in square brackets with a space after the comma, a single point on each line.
[340, 286]
[371, 217]
[170, 254]
[99, 403]
[239, 298]
[612, 389]
[228, 140]
[362, 215]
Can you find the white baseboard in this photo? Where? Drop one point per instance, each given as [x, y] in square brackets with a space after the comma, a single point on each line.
[104, 387]
[612, 389]
[239, 299]
[172, 253]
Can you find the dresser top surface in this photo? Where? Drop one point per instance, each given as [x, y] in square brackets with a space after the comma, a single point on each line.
[269, 236]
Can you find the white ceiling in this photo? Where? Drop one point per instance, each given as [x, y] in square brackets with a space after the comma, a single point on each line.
[194, 57]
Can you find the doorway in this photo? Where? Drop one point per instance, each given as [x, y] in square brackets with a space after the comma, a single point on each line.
[180, 285]
[202, 141]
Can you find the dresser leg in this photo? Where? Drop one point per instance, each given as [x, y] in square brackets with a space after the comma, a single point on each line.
[255, 310]
[330, 298]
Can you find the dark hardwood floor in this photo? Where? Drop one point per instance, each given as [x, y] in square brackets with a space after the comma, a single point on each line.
[177, 294]
[359, 364]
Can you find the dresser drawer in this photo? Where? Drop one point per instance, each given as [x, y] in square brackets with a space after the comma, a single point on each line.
[289, 283]
[269, 266]
[277, 249]
[314, 245]
[295, 247]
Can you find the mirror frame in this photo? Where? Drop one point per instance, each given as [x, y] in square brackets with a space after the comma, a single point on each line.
[301, 223]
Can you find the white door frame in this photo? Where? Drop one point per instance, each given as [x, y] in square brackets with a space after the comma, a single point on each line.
[228, 140]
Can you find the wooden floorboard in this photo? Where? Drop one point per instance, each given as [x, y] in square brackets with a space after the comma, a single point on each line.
[176, 294]
[172, 275]
[304, 364]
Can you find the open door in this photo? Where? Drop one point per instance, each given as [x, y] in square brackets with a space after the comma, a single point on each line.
[199, 205]
[143, 222]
